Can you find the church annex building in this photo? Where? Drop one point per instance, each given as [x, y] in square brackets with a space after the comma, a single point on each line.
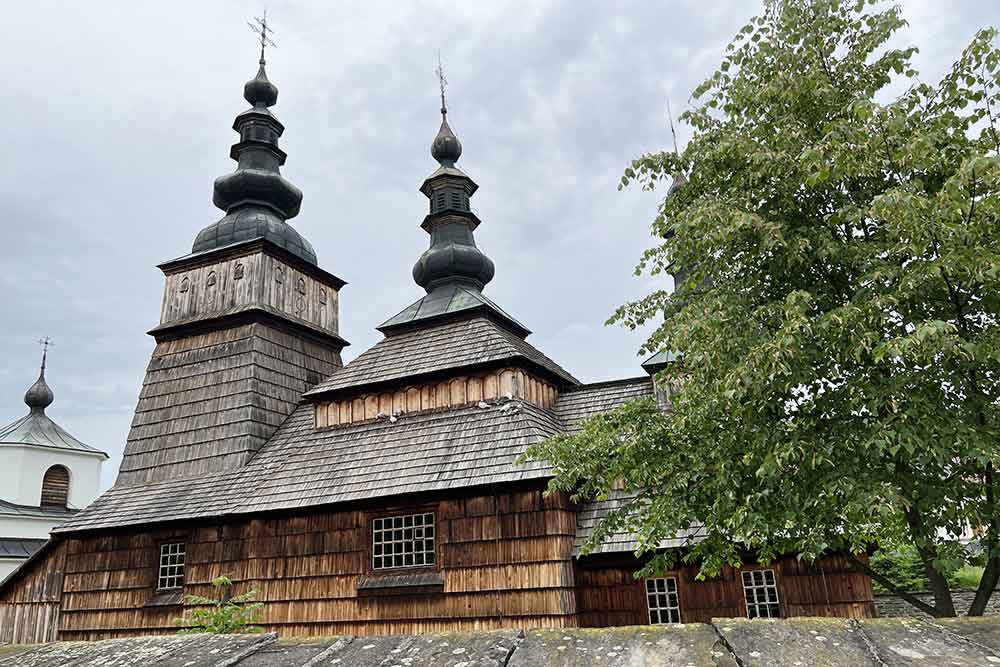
[380, 497]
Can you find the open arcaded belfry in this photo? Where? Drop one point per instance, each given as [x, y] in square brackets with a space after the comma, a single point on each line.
[383, 496]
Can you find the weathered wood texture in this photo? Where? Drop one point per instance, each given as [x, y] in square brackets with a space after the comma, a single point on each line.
[611, 595]
[29, 607]
[55, 487]
[253, 280]
[453, 392]
[209, 401]
[504, 561]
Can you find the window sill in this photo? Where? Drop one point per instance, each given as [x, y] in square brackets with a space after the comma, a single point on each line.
[418, 583]
[169, 598]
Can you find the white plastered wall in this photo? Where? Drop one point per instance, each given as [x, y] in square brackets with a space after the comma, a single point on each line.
[22, 468]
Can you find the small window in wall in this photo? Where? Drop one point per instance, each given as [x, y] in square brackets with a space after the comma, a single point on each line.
[171, 573]
[55, 487]
[661, 598]
[761, 593]
[403, 541]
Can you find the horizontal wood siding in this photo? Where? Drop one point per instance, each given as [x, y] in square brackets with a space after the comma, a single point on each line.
[450, 393]
[505, 562]
[30, 605]
[610, 595]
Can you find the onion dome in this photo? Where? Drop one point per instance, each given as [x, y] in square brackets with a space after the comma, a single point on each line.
[36, 429]
[39, 396]
[452, 257]
[446, 148]
[257, 199]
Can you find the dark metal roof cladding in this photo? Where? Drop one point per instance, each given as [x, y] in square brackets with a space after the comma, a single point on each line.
[256, 198]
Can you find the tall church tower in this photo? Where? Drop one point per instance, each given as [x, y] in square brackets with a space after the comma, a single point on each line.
[248, 322]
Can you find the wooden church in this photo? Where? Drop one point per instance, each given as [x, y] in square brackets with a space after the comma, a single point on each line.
[379, 497]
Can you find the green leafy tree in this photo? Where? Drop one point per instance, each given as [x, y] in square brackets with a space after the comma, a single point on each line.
[836, 309]
[228, 614]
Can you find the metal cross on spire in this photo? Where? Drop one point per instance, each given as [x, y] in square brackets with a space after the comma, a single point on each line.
[45, 343]
[260, 27]
[443, 81]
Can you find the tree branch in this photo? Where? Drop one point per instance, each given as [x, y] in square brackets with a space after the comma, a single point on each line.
[864, 568]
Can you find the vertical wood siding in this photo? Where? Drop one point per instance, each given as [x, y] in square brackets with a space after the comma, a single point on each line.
[450, 393]
[30, 606]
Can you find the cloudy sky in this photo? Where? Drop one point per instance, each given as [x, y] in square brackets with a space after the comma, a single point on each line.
[117, 119]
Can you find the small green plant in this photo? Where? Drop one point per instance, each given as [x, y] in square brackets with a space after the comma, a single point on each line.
[228, 615]
[902, 566]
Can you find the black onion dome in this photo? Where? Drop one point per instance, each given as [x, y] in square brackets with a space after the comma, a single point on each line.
[446, 148]
[39, 396]
[250, 223]
[452, 257]
[259, 91]
[257, 199]
[460, 262]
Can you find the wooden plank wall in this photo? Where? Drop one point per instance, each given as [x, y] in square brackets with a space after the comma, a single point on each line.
[256, 279]
[610, 595]
[505, 562]
[30, 605]
[454, 392]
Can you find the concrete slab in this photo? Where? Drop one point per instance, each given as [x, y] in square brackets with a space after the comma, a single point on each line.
[796, 642]
[485, 649]
[693, 645]
[173, 651]
[905, 642]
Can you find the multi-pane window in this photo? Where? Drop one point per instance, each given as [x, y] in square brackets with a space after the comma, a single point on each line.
[661, 598]
[171, 573]
[403, 541]
[761, 593]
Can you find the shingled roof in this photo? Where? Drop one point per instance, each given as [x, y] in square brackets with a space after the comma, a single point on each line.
[448, 345]
[593, 512]
[577, 403]
[302, 467]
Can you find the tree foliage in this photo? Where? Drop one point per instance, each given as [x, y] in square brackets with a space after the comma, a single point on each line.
[837, 254]
[227, 615]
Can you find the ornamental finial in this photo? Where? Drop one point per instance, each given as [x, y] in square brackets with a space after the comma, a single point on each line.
[39, 396]
[443, 82]
[261, 29]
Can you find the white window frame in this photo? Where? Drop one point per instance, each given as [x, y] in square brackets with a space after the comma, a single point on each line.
[404, 541]
[170, 573]
[663, 600]
[760, 593]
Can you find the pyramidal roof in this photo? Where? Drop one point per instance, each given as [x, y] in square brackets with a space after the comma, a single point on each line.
[36, 428]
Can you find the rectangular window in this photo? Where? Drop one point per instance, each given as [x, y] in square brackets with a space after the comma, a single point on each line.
[761, 593]
[403, 541]
[171, 573]
[661, 598]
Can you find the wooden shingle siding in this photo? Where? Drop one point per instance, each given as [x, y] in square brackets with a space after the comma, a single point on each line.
[456, 392]
[610, 595]
[504, 562]
[210, 401]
